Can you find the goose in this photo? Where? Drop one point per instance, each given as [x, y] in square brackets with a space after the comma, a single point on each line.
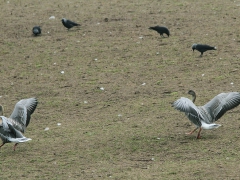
[161, 30]
[205, 116]
[202, 48]
[69, 24]
[12, 128]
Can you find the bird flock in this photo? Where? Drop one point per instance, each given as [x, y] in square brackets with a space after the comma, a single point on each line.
[66, 23]
[203, 117]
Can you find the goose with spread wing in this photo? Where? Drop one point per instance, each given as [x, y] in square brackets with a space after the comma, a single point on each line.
[205, 116]
[12, 128]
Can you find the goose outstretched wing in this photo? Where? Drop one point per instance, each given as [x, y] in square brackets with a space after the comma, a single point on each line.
[221, 103]
[23, 110]
[191, 110]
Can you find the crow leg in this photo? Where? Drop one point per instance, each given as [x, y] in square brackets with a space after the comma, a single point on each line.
[192, 131]
[198, 136]
[14, 147]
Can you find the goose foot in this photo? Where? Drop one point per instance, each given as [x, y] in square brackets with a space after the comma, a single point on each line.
[2, 145]
[198, 136]
[192, 131]
[14, 147]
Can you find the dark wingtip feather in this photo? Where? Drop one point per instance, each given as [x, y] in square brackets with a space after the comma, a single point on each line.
[33, 106]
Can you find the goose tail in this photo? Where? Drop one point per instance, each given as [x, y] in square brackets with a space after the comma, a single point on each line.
[14, 140]
[210, 126]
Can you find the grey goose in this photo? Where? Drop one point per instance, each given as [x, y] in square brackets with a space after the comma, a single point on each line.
[204, 116]
[12, 128]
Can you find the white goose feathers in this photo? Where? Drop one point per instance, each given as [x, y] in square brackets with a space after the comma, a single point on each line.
[12, 128]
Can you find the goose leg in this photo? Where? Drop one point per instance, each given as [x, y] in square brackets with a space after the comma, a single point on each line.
[14, 147]
[198, 136]
[2, 145]
[192, 131]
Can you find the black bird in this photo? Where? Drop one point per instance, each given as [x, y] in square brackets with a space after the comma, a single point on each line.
[69, 24]
[36, 30]
[202, 48]
[161, 30]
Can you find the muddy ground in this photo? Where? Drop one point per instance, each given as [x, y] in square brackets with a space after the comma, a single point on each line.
[114, 98]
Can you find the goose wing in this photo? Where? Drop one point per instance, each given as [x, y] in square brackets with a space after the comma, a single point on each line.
[221, 103]
[23, 110]
[9, 134]
[191, 110]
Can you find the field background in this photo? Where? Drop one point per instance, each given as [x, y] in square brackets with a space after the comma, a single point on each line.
[128, 130]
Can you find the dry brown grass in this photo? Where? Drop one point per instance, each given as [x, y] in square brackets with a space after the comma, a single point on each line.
[129, 130]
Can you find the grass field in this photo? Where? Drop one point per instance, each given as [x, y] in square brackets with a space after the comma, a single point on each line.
[114, 98]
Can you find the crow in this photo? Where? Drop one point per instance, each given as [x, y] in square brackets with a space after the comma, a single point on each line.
[202, 48]
[161, 30]
[36, 30]
[69, 24]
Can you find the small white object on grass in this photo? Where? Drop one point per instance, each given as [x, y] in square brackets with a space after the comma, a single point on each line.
[46, 129]
[143, 84]
[231, 83]
[52, 17]
[119, 115]
[102, 88]
[62, 72]
[85, 102]
[95, 59]
[202, 74]
[59, 124]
